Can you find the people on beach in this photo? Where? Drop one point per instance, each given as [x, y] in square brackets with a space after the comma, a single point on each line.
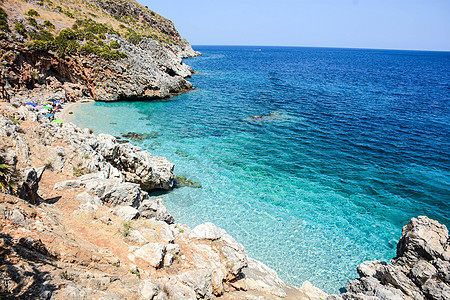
[50, 107]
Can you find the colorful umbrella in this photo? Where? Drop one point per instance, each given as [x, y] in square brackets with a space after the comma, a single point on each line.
[57, 121]
[47, 107]
[48, 115]
[31, 103]
[51, 100]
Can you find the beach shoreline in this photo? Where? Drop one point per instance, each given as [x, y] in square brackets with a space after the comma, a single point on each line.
[68, 111]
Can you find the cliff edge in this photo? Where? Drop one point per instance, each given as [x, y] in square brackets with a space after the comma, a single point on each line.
[102, 50]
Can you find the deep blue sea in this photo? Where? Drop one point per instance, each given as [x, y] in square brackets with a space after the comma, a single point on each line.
[350, 144]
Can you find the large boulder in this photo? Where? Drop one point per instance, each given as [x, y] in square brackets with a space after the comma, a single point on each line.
[421, 269]
[152, 254]
[137, 166]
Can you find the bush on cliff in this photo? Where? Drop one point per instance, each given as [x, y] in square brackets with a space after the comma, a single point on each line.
[7, 177]
[49, 24]
[3, 20]
[33, 22]
[42, 35]
[20, 28]
[32, 13]
[104, 52]
[67, 41]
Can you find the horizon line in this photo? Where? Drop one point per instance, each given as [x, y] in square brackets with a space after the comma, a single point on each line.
[330, 47]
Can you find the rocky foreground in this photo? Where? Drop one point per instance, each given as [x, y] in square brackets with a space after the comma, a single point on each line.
[79, 224]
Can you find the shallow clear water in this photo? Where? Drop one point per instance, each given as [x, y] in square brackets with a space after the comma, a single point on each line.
[352, 144]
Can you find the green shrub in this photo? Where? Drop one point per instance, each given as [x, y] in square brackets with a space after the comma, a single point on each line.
[49, 24]
[33, 22]
[35, 76]
[20, 28]
[126, 229]
[3, 20]
[77, 172]
[114, 45]
[69, 14]
[134, 38]
[42, 35]
[32, 13]
[8, 177]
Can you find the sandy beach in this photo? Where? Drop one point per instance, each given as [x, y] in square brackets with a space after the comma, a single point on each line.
[67, 113]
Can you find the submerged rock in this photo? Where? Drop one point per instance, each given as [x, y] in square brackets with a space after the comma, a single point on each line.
[182, 181]
[137, 137]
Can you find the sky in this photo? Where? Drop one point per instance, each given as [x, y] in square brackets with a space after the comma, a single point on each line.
[377, 24]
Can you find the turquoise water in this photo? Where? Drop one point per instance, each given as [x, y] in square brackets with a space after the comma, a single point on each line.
[351, 145]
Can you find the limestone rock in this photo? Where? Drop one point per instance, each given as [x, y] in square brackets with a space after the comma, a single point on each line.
[310, 292]
[135, 237]
[178, 290]
[117, 193]
[68, 184]
[424, 238]
[152, 253]
[259, 277]
[148, 290]
[207, 231]
[127, 213]
[200, 281]
[136, 166]
[85, 209]
[420, 270]
[154, 208]
[84, 197]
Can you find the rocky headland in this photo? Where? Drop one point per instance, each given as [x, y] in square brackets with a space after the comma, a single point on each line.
[76, 218]
[102, 50]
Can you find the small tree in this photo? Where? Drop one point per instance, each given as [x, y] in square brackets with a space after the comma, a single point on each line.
[7, 177]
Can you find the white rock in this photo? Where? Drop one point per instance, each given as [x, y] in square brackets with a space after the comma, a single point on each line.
[207, 231]
[68, 184]
[148, 289]
[168, 259]
[173, 248]
[84, 197]
[135, 236]
[152, 253]
[127, 213]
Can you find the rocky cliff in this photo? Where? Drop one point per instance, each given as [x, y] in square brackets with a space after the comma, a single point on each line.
[103, 50]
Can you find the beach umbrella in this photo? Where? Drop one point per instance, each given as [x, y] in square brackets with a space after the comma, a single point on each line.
[47, 107]
[57, 121]
[31, 103]
[57, 102]
[51, 100]
[48, 115]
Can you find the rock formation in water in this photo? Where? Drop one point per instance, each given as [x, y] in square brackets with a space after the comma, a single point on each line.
[421, 269]
[96, 49]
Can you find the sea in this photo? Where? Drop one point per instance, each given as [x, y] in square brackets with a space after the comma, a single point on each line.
[312, 158]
